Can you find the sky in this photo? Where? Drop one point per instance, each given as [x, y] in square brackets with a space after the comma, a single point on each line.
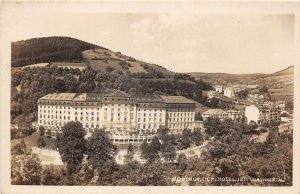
[187, 42]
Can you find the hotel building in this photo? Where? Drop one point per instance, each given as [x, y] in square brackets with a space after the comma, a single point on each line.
[127, 118]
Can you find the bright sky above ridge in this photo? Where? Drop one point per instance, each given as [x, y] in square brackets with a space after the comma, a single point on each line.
[180, 42]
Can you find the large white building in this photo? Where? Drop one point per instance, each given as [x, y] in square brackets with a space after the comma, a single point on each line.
[127, 118]
[229, 92]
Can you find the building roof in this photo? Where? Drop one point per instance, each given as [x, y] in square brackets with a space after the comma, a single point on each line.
[93, 97]
[148, 98]
[59, 96]
[233, 111]
[176, 99]
[214, 112]
[119, 94]
[82, 97]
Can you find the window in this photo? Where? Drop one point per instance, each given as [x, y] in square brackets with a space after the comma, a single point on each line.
[97, 118]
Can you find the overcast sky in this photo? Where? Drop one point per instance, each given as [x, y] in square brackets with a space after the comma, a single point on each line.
[179, 42]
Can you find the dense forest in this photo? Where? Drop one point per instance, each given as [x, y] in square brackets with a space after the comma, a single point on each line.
[50, 49]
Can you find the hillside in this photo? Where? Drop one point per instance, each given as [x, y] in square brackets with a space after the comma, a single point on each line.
[70, 52]
[285, 76]
[101, 59]
[50, 49]
[221, 78]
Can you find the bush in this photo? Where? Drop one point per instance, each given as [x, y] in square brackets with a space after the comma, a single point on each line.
[42, 130]
[41, 142]
[27, 131]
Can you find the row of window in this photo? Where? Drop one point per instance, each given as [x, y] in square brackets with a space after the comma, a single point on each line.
[181, 114]
[149, 120]
[56, 112]
[181, 119]
[147, 126]
[149, 114]
[53, 107]
[87, 119]
[86, 113]
[54, 117]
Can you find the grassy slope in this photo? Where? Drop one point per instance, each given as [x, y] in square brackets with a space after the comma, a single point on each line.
[100, 59]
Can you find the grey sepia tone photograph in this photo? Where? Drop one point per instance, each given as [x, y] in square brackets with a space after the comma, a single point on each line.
[152, 99]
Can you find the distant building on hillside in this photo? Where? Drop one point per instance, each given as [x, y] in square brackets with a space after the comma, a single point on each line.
[234, 114]
[262, 113]
[212, 94]
[218, 88]
[215, 113]
[229, 92]
[268, 114]
[281, 105]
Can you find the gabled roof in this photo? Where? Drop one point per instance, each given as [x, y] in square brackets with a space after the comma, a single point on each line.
[119, 94]
[80, 97]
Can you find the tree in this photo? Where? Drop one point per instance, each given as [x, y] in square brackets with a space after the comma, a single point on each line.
[151, 153]
[41, 142]
[85, 174]
[31, 170]
[42, 130]
[71, 144]
[100, 149]
[243, 94]
[49, 177]
[19, 148]
[182, 162]
[263, 90]
[197, 137]
[130, 154]
[162, 133]
[70, 83]
[143, 147]
[169, 151]
[156, 143]
[185, 139]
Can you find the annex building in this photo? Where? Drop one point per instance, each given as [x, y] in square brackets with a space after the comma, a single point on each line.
[127, 118]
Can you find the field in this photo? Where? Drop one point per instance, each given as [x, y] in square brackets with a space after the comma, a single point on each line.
[100, 59]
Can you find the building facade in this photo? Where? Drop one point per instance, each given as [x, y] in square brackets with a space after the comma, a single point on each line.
[229, 92]
[215, 113]
[127, 118]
